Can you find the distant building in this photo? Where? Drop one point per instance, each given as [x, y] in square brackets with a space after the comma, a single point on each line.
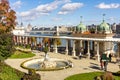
[113, 27]
[29, 28]
[118, 29]
[63, 28]
[19, 31]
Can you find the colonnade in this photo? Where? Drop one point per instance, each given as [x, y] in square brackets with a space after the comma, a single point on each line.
[27, 40]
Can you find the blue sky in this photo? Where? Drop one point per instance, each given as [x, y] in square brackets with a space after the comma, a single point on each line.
[65, 12]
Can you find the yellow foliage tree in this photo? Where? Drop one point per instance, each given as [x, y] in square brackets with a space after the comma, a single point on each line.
[58, 41]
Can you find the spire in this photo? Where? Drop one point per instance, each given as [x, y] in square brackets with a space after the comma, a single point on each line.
[21, 24]
[81, 19]
[104, 17]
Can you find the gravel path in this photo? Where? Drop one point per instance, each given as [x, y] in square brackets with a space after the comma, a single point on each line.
[80, 66]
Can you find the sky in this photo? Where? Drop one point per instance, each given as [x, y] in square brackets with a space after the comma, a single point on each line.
[65, 12]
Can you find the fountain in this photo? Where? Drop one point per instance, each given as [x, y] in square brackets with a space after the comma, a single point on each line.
[46, 63]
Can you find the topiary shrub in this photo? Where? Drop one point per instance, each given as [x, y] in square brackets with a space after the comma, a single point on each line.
[31, 71]
[26, 77]
[118, 73]
[36, 77]
[105, 76]
[32, 75]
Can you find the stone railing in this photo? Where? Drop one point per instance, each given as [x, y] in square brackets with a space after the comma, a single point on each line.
[92, 35]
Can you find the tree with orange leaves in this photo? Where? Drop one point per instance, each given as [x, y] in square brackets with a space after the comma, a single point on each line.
[7, 17]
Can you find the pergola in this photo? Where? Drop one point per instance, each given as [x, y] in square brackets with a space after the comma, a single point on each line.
[107, 39]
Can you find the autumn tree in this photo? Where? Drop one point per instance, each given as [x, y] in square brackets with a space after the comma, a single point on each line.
[7, 23]
[7, 17]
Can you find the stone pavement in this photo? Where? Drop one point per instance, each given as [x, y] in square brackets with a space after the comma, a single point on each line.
[80, 66]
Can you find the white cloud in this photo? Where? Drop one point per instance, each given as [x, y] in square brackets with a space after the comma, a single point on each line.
[30, 15]
[63, 12]
[42, 9]
[16, 5]
[46, 8]
[108, 6]
[56, 19]
[69, 7]
[64, 1]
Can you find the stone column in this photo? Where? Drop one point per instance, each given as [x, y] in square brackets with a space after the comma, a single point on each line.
[81, 44]
[20, 40]
[73, 51]
[102, 47]
[35, 43]
[26, 40]
[118, 50]
[98, 54]
[66, 47]
[14, 39]
[57, 31]
[88, 52]
[55, 46]
[29, 41]
[17, 40]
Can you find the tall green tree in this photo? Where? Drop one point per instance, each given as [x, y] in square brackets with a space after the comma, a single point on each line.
[7, 23]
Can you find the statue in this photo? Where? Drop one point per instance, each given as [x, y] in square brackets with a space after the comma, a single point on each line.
[46, 52]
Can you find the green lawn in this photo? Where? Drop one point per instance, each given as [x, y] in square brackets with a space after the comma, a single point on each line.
[21, 54]
[87, 76]
[8, 73]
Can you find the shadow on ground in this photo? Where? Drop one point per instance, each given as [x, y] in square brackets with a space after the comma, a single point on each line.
[116, 74]
[94, 66]
[75, 58]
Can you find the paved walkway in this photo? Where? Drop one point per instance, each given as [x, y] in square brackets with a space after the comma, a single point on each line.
[80, 66]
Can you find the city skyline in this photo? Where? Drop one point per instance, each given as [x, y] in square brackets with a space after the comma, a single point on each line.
[65, 12]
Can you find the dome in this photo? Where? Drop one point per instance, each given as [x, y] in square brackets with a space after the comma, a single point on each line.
[104, 26]
[81, 27]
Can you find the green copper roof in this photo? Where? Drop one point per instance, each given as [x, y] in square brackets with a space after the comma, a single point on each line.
[104, 26]
[81, 26]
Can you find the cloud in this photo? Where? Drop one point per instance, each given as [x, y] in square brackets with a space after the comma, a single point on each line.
[56, 19]
[69, 7]
[46, 8]
[16, 5]
[64, 1]
[30, 15]
[108, 6]
[42, 9]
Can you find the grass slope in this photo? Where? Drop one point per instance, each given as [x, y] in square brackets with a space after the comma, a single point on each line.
[22, 54]
[87, 76]
[8, 73]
